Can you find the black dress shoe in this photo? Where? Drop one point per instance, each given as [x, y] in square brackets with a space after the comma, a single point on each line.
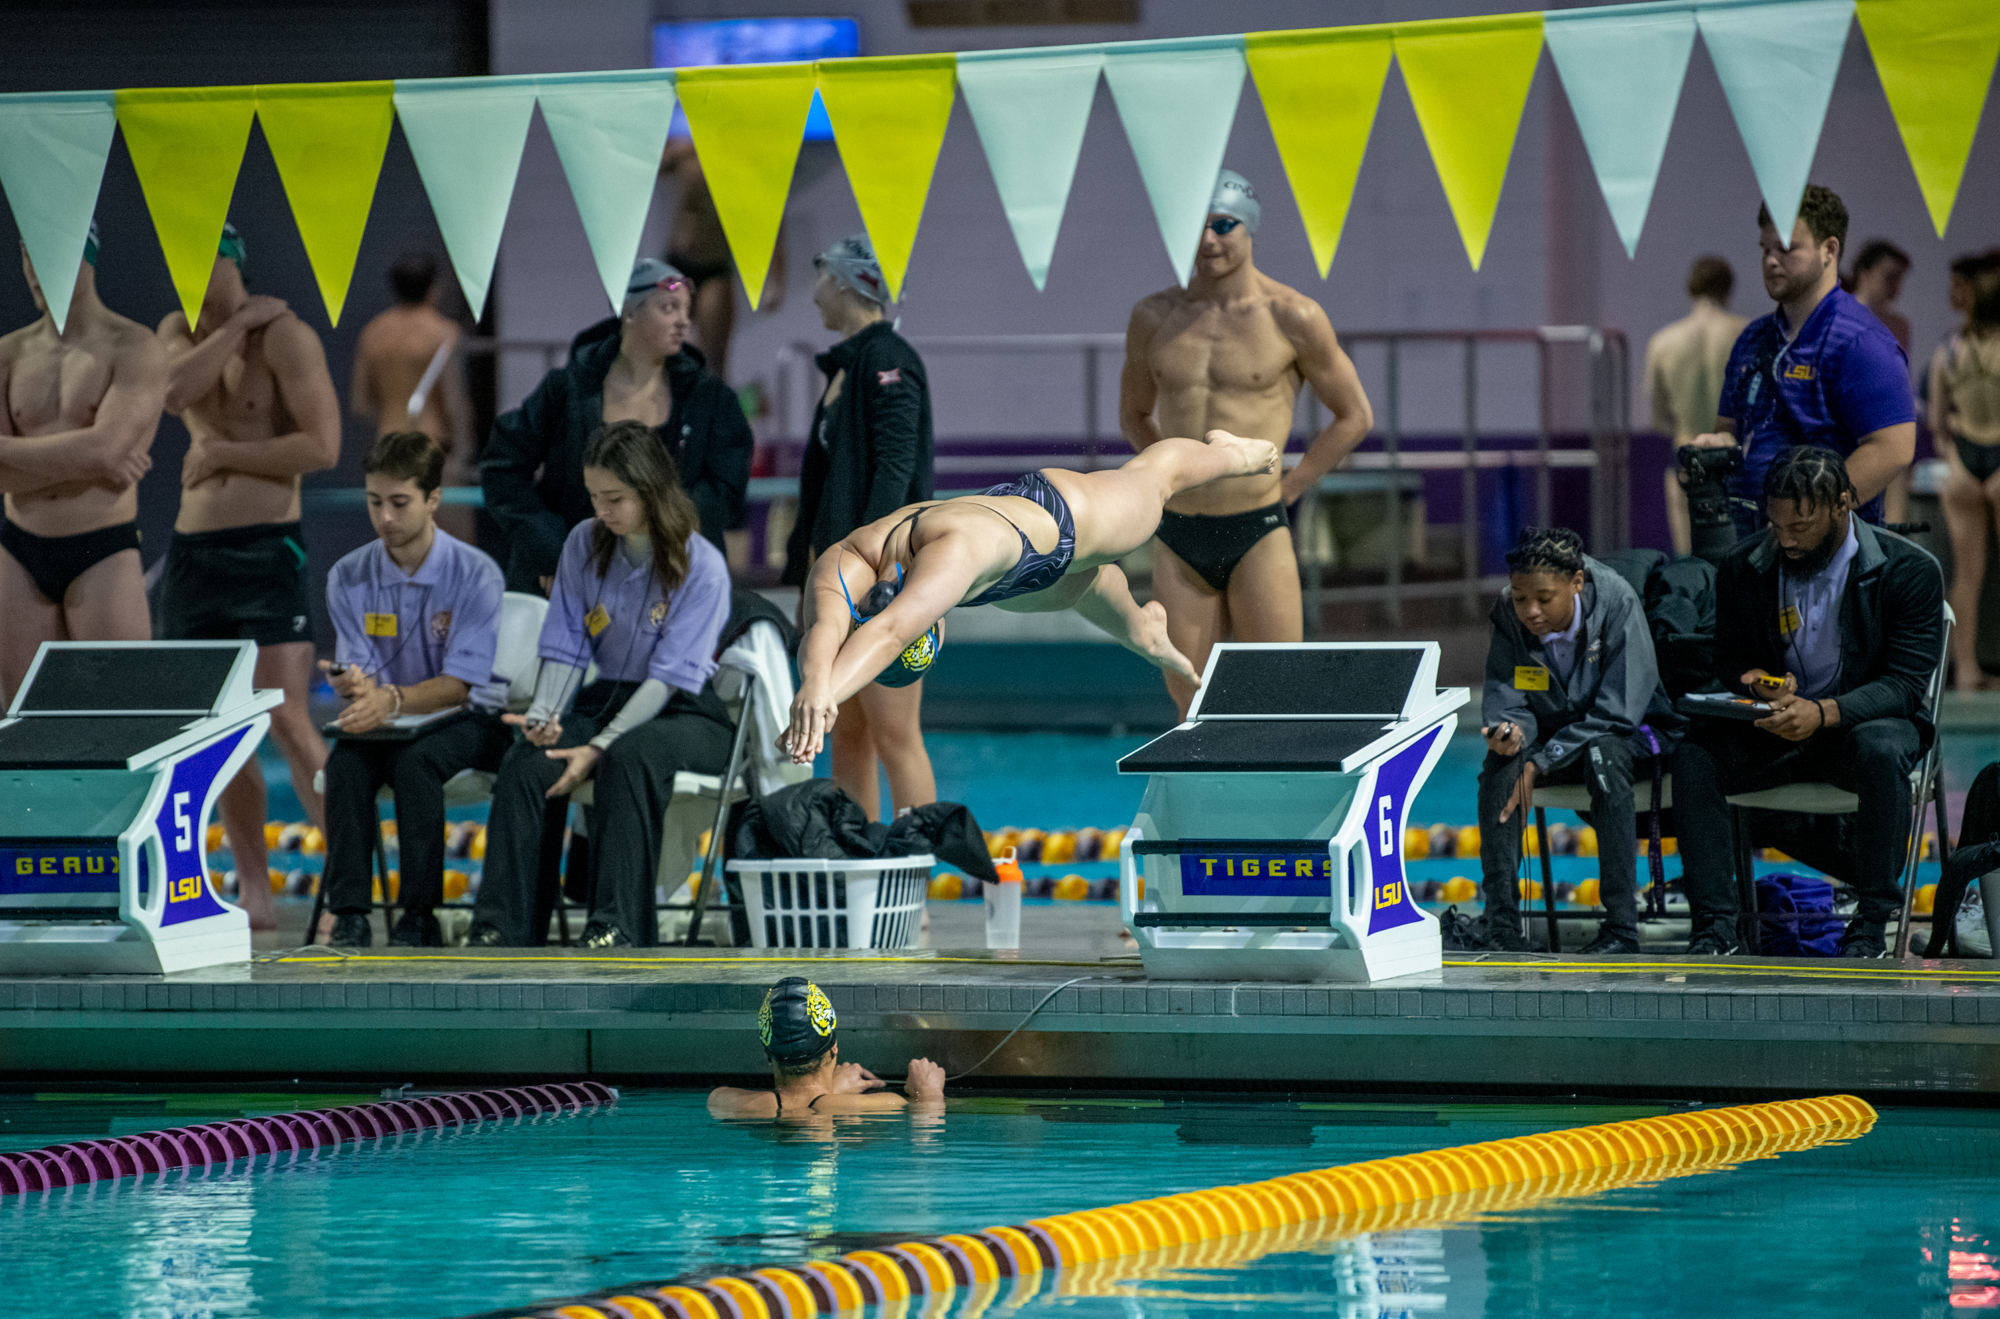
[1864, 939]
[486, 936]
[603, 934]
[1609, 941]
[417, 929]
[350, 930]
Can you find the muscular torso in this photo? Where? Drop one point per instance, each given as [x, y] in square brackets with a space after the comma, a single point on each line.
[244, 405]
[395, 351]
[1227, 367]
[55, 385]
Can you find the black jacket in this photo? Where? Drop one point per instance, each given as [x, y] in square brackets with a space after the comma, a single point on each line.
[1891, 623]
[877, 454]
[706, 433]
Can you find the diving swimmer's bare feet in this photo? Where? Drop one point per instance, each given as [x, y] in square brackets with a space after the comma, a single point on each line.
[1252, 456]
[1150, 639]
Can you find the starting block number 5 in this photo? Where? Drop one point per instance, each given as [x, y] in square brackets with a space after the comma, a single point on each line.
[184, 823]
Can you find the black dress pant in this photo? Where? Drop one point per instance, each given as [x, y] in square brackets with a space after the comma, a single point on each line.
[1871, 759]
[634, 780]
[1605, 767]
[416, 770]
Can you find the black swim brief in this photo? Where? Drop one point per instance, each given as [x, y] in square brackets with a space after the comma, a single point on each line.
[56, 561]
[697, 271]
[238, 584]
[1980, 460]
[1213, 544]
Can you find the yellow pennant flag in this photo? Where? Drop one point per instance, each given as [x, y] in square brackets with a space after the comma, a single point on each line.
[187, 146]
[747, 121]
[1468, 78]
[889, 116]
[1935, 59]
[1320, 87]
[329, 139]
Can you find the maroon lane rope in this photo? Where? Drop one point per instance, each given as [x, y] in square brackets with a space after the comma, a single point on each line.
[82, 1162]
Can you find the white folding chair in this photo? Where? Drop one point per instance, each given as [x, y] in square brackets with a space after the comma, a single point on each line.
[514, 659]
[1813, 798]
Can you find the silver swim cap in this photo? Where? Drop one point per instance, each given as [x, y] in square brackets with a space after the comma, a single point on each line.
[852, 262]
[649, 274]
[1234, 196]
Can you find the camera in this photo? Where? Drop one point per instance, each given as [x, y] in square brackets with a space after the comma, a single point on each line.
[1705, 474]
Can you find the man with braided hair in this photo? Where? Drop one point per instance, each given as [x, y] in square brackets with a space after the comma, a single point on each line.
[1851, 618]
[1570, 680]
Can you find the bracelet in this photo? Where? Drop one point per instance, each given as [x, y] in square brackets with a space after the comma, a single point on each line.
[397, 713]
[1821, 707]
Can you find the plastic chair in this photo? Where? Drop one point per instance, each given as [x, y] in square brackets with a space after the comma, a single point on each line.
[514, 658]
[1812, 798]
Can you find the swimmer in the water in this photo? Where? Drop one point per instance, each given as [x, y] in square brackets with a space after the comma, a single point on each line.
[796, 1024]
[1045, 542]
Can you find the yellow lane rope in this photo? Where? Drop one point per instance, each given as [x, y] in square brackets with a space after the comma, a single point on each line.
[1098, 1251]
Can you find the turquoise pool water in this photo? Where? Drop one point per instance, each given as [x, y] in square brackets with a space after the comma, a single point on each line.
[1901, 1221]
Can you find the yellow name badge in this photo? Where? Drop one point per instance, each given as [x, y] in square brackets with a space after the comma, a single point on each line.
[379, 625]
[596, 620]
[1788, 620]
[1530, 678]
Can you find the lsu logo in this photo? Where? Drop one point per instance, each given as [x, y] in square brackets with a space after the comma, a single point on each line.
[656, 617]
[1388, 895]
[441, 625]
[1799, 371]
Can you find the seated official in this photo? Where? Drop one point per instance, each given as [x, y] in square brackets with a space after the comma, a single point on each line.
[639, 592]
[417, 617]
[1571, 683]
[636, 368]
[796, 1024]
[1852, 617]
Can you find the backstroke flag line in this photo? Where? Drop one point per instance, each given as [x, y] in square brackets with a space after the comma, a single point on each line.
[1469, 80]
[610, 130]
[1030, 108]
[467, 135]
[1320, 90]
[1622, 70]
[1777, 64]
[187, 147]
[328, 140]
[1936, 60]
[889, 114]
[52, 151]
[1177, 100]
[747, 121]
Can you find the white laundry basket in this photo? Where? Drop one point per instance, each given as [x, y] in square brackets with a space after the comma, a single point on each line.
[810, 903]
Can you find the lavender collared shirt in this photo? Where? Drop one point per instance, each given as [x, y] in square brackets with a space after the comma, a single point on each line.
[406, 628]
[624, 621]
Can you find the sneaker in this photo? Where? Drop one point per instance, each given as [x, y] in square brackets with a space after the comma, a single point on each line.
[485, 936]
[603, 934]
[350, 930]
[1609, 941]
[1864, 939]
[1717, 940]
[1461, 934]
[417, 929]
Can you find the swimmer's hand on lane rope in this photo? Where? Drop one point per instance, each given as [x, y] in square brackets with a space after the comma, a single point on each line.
[578, 761]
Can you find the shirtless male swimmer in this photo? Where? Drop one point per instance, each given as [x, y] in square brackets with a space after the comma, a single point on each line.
[1230, 352]
[81, 409]
[251, 383]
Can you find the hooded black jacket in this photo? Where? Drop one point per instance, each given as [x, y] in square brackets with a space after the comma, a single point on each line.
[706, 434]
[877, 454]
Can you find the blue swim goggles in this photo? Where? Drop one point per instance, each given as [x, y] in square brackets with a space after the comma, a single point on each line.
[917, 657]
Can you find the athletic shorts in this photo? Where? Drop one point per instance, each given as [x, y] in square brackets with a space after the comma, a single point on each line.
[238, 584]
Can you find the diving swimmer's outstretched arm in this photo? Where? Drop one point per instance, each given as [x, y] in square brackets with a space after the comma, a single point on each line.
[839, 658]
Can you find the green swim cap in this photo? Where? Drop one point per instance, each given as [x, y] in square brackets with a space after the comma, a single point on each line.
[914, 662]
[795, 1023]
[232, 246]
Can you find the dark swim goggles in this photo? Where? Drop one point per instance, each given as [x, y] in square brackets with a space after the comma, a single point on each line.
[919, 655]
[878, 598]
[1223, 224]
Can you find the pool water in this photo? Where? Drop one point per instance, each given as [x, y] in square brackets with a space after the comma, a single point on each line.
[1901, 1221]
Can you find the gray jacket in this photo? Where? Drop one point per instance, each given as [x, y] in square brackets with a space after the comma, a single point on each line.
[1610, 685]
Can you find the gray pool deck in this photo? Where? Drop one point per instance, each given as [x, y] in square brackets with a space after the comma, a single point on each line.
[1736, 1026]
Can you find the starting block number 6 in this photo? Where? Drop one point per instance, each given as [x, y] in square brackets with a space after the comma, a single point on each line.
[1387, 830]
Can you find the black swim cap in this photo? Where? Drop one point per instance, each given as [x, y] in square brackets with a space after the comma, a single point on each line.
[796, 1021]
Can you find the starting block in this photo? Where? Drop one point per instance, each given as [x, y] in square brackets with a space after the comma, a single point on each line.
[1270, 837]
[111, 758]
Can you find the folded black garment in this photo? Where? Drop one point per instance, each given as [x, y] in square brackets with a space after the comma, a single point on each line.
[817, 819]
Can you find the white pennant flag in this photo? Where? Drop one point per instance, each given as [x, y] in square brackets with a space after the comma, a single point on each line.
[1031, 107]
